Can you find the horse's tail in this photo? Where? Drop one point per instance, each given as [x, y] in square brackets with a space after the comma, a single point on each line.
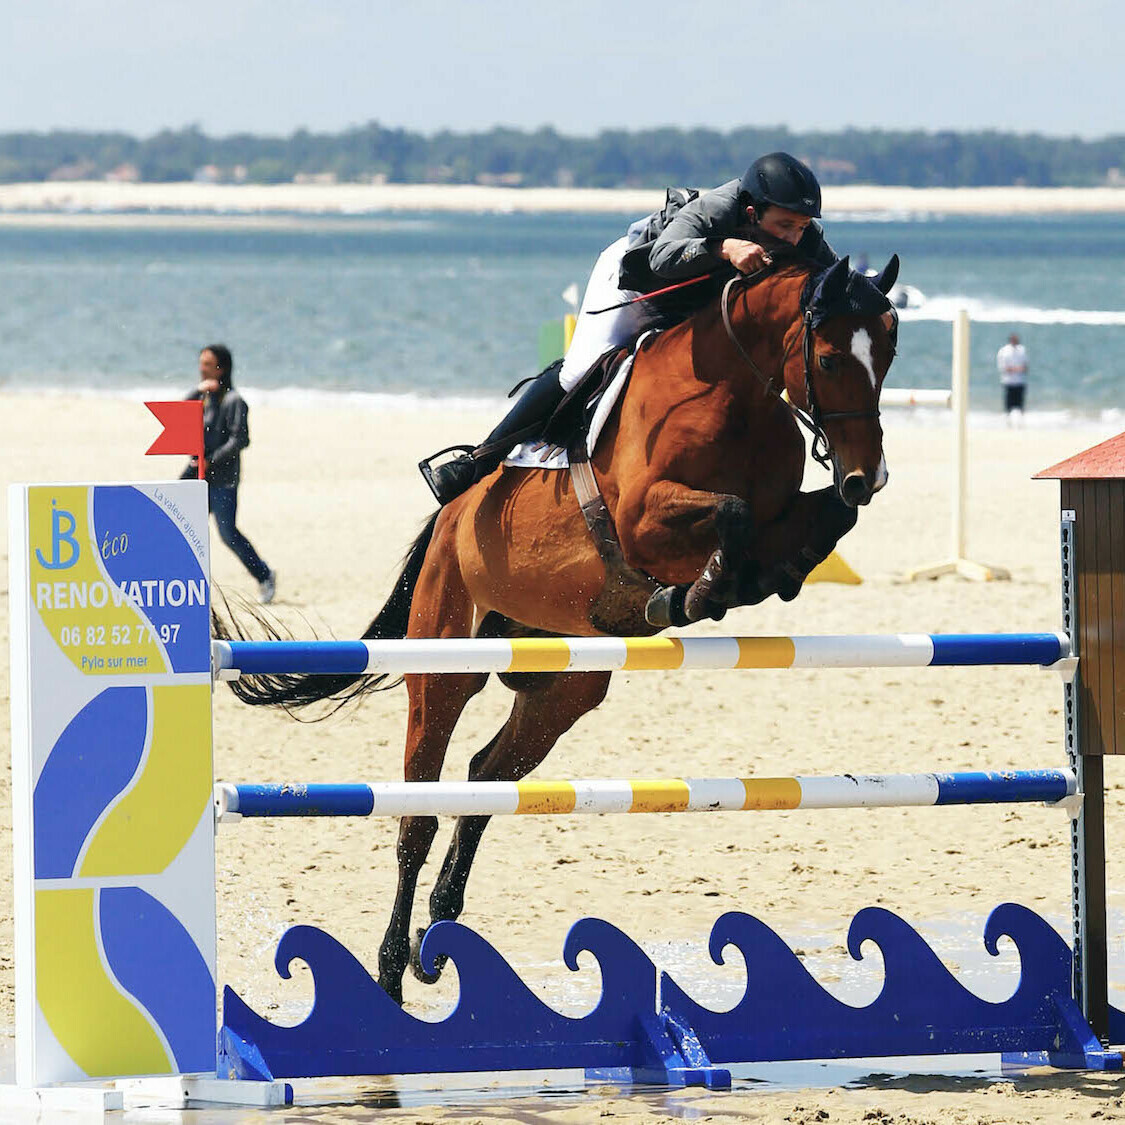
[293, 691]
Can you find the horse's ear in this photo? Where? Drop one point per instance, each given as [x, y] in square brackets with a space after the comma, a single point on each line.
[883, 281]
[834, 284]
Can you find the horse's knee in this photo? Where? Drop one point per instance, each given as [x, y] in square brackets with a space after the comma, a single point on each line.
[734, 523]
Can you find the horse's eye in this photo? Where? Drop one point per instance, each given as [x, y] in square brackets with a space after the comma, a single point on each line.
[827, 362]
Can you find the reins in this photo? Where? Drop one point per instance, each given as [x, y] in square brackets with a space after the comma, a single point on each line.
[814, 418]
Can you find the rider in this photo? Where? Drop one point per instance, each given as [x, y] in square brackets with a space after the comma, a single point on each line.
[775, 201]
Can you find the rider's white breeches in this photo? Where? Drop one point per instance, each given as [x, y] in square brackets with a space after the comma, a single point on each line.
[597, 333]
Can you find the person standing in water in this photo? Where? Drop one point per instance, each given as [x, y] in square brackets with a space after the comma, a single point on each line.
[226, 433]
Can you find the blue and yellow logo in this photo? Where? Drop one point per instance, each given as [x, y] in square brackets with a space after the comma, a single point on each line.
[120, 981]
[92, 620]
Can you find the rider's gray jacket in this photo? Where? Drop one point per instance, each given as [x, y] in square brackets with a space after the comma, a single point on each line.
[689, 244]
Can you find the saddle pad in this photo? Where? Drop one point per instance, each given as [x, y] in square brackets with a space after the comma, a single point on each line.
[525, 456]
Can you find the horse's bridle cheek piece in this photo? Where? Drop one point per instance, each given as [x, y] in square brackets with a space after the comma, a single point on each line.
[813, 419]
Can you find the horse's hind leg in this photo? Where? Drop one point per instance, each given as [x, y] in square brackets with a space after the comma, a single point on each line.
[436, 703]
[441, 607]
[545, 707]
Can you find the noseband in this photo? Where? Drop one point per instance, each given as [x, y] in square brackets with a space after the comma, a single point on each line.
[814, 418]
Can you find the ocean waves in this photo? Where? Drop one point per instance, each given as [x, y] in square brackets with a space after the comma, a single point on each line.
[986, 311]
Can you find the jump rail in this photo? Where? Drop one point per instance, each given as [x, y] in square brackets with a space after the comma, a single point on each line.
[231, 659]
[711, 794]
[917, 396]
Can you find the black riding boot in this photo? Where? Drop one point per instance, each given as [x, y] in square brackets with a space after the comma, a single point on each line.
[522, 423]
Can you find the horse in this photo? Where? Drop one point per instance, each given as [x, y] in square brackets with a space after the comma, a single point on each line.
[701, 469]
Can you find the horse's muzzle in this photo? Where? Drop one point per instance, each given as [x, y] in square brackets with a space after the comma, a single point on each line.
[858, 487]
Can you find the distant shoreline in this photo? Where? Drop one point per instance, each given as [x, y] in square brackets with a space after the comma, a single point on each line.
[83, 204]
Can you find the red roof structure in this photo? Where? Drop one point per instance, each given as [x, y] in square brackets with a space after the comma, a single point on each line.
[1102, 462]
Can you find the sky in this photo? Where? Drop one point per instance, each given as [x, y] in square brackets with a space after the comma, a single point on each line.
[272, 66]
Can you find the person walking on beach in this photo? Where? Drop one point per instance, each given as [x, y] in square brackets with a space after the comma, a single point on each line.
[226, 433]
[1011, 361]
[775, 202]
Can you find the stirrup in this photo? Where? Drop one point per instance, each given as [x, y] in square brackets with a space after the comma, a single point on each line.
[426, 468]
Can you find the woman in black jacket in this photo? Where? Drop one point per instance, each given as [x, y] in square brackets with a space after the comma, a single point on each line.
[226, 433]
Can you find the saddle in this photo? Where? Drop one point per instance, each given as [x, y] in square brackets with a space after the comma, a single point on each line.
[571, 418]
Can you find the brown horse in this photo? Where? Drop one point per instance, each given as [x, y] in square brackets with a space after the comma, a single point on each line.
[701, 470]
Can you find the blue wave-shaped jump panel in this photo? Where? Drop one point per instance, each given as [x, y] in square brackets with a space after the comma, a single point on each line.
[499, 1024]
[921, 1009]
[784, 1014]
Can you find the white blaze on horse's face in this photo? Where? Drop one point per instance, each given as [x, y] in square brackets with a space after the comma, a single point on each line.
[863, 349]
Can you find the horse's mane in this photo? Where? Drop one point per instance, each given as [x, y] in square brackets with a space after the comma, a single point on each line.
[796, 267]
[788, 263]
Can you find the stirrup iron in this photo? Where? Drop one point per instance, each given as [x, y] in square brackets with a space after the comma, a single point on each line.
[426, 468]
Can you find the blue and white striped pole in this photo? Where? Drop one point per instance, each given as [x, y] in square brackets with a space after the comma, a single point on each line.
[611, 654]
[717, 794]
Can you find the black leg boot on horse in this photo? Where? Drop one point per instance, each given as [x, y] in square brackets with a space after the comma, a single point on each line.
[525, 421]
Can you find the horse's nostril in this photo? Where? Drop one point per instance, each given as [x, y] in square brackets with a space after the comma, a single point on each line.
[855, 489]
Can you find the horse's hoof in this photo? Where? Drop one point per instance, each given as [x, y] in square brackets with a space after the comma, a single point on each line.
[393, 988]
[666, 607]
[416, 960]
[710, 593]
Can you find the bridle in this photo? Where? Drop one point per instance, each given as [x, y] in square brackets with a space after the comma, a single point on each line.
[814, 418]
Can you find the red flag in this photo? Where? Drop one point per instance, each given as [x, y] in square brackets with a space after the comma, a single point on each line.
[183, 429]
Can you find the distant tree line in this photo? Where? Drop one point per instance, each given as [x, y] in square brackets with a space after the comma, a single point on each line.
[613, 158]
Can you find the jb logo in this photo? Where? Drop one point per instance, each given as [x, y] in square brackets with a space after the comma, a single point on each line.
[62, 536]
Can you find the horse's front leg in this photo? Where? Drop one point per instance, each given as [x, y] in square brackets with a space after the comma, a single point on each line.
[787, 550]
[669, 531]
[545, 707]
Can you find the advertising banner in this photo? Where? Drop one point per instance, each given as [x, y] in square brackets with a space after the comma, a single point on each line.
[111, 780]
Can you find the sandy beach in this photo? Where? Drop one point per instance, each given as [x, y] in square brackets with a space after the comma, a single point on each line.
[331, 499]
[87, 203]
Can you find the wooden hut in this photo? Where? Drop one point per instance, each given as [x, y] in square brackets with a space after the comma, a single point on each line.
[1093, 567]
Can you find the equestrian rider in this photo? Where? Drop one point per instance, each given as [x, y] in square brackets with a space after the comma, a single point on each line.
[775, 201]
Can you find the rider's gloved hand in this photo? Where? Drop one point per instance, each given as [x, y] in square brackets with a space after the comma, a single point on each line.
[745, 256]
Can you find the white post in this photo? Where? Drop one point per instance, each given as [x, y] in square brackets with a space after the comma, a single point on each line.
[960, 383]
[957, 563]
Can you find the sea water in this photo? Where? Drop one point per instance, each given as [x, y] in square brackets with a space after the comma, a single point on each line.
[438, 307]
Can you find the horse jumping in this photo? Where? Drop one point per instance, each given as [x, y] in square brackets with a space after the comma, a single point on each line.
[700, 470]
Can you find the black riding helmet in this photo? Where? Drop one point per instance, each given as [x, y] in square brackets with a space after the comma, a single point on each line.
[781, 180]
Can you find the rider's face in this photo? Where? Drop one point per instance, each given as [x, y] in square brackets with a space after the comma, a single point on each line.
[785, 225]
